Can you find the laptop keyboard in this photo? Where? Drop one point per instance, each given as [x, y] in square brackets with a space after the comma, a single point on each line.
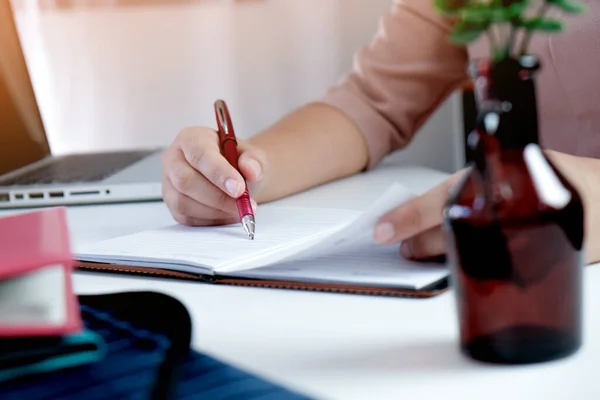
[77, 168]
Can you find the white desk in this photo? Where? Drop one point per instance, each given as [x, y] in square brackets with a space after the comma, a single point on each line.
[336, 346]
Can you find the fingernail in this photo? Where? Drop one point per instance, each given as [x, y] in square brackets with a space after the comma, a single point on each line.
[255, 166]
[232, 186]
[405, 250]
[383, 232]
[254, 205]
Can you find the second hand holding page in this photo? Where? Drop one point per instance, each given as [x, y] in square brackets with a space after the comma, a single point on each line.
[305, 244]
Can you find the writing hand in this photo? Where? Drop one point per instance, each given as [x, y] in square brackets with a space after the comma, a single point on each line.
[199, 185]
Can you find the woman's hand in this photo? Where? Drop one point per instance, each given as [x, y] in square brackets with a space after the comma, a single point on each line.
[417, 224]
[199, 185]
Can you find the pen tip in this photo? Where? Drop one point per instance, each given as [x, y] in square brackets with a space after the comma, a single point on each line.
[248, 223]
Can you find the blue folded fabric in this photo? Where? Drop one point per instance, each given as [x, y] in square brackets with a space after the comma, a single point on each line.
[205, 377]
[146, 355]
[21, 357]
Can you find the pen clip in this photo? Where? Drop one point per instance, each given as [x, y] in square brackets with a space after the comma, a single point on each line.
[223, 119]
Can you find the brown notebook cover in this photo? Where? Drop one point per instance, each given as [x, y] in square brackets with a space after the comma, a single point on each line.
[430, 291]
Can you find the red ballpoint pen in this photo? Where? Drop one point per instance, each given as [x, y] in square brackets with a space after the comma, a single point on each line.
[228, 145]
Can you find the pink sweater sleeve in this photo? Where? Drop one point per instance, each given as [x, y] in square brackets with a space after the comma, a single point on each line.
[399, 80]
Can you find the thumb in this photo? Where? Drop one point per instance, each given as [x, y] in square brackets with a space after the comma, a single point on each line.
[252, 162]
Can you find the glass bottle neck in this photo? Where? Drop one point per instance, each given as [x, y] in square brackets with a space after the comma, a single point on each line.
[506, 89]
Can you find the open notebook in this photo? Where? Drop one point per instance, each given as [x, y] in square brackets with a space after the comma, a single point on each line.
[302, 248]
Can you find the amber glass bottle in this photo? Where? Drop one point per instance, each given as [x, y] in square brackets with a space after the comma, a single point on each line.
[515, 229]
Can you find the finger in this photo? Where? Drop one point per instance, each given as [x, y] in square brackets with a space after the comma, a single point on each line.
[428, 244]
[252, 162]
[192, 221]
[187, 211]
[189, 182]
[203, 154]
[415, 216]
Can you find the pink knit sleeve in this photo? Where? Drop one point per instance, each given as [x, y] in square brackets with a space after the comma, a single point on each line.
[401, 77]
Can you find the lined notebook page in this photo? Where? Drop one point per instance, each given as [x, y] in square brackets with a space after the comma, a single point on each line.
[279, 231]
[366, 264]
[358, 233]
[349, 255]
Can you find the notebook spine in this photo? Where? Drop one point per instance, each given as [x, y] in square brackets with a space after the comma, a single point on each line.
[325, 289]
[140, 271]
[310, 287]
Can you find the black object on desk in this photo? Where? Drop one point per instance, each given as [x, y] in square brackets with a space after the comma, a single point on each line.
[148, 356]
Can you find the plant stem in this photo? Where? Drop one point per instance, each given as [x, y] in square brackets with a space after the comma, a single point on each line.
[497, 27]
[527, 38]
[511, 38]
[492, 42]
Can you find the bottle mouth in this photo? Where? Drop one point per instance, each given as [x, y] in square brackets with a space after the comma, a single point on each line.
[528, 64]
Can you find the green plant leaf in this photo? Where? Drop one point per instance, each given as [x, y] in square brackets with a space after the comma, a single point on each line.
[450, 6]
[496, 13]
[543, 24]
[508, 3]
[476, 14]
[569, 6]
[466, 32]
[464, 37]
[516, 9]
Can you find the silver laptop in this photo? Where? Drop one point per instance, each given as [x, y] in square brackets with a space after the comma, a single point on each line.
[30, 176]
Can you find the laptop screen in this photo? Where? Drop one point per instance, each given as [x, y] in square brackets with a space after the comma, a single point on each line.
[22, 136]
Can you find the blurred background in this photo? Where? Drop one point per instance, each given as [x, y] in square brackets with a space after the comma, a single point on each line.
[113, 74]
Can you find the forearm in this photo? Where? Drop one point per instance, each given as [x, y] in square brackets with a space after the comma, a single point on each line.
[394, 85]
[313, 145]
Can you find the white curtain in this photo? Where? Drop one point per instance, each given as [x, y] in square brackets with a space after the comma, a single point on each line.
[113, 77]
[109, 75]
